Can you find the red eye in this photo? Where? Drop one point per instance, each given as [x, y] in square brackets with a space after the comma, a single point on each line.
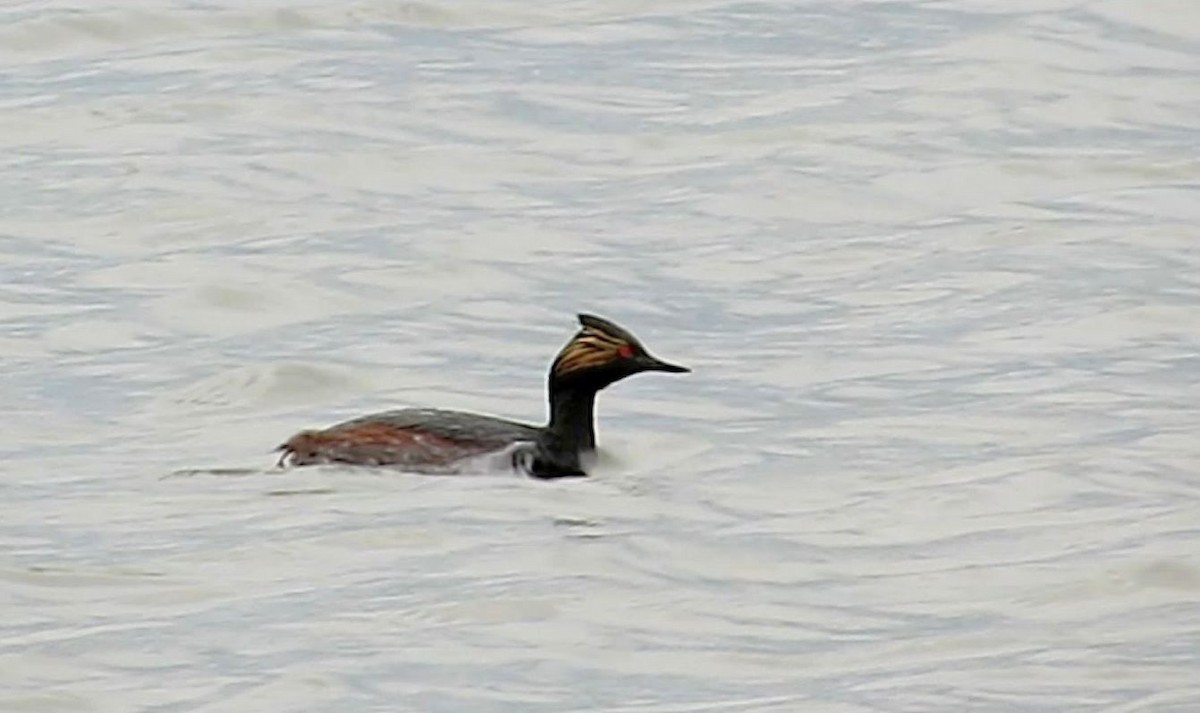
[625, 351]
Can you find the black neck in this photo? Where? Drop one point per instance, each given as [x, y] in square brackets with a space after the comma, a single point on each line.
[572, 417]
[571, 432]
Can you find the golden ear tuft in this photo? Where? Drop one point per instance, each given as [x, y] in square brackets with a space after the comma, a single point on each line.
[598, 344]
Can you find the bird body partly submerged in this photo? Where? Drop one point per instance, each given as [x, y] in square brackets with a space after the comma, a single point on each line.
[408, 437]
[436, 440]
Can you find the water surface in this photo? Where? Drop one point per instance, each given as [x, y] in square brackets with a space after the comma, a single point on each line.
[934, 265]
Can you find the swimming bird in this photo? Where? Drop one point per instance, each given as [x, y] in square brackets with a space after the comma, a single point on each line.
[437, 440]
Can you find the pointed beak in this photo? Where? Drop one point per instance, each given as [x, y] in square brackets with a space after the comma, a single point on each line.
[650, 363]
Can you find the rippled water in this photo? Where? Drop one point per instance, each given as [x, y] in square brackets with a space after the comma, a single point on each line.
[935, 265]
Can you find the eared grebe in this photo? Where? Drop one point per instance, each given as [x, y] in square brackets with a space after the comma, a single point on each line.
[434, 440]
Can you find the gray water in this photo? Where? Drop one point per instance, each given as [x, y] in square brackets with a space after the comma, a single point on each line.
[935, 265]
